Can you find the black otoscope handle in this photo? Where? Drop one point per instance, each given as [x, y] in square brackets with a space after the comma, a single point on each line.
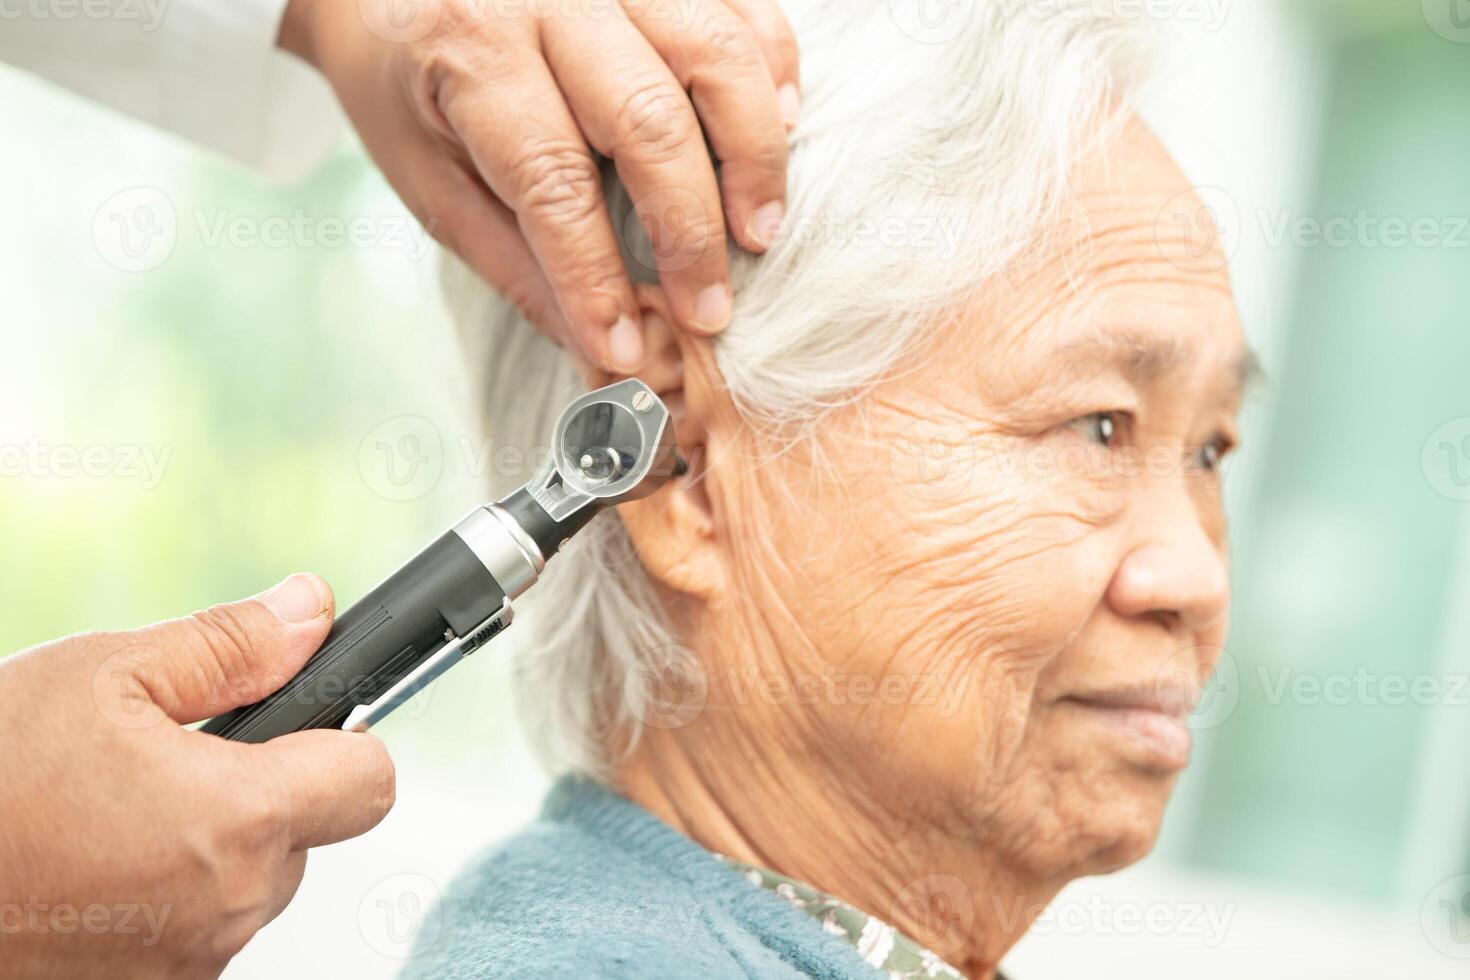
[444, 591]
[617, 444]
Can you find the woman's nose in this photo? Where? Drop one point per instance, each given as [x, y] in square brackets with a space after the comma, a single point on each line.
[1178, 576]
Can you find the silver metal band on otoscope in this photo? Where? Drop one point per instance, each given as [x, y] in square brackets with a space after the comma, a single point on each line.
[507, 551]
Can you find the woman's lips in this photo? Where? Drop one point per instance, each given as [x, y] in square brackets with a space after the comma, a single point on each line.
[1154, 729]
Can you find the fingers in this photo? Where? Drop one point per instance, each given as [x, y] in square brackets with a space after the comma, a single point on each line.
[335, 785]
[526, 146]
[232, 654]
[778, 43]
[634, 110]
[718, 57]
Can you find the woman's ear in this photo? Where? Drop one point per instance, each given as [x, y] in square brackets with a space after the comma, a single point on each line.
[675, 529]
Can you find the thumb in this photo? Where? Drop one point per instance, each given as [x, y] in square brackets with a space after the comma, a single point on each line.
[232, 654]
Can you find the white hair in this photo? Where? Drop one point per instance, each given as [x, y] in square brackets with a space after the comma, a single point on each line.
[927, 160]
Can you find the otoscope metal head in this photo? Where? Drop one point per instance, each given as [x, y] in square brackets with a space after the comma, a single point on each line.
[608, 447]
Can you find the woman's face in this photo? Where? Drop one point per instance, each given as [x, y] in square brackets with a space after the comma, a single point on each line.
[973, 605]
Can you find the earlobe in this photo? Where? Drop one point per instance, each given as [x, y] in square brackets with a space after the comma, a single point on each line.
[674, 530]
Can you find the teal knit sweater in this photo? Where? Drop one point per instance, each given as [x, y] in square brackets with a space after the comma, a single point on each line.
[599, 888]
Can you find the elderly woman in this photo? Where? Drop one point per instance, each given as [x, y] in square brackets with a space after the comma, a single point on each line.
[897, 659]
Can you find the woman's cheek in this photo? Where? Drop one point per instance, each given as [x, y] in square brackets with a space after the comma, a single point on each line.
[1030, 547]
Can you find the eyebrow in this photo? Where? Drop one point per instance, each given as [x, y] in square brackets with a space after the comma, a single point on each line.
[1145, 357]
[1248, 370]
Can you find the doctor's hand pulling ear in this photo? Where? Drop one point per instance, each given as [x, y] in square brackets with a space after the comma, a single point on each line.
[487, 117]
[487, 125]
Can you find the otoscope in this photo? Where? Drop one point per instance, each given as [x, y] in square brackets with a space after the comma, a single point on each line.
[608, 446]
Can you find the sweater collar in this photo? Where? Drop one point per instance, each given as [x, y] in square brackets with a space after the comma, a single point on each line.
[796, 937]
[835, 939]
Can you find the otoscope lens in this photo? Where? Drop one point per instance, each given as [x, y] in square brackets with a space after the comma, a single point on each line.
[601, 443]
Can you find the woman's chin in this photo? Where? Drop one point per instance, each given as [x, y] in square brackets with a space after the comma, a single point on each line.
[1113, 835]
[1124, 813]
[1098, 809]
[1088, 833]
[1133, 837]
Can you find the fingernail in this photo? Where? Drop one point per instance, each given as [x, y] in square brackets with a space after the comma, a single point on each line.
[298, 599]
[790, 101]
[765, 223]
[712, 309]
[625, 345]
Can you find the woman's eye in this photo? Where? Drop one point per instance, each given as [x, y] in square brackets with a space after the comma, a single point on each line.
[1103, 428]
[1212, 453]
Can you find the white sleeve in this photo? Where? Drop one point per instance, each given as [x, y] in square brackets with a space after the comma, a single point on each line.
[208, 70]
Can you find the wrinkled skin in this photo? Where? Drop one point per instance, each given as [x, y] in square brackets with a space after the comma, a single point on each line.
[974, 524]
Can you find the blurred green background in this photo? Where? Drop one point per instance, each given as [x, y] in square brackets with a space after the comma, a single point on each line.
[254, 409]
[1348, 566]
[251, 373]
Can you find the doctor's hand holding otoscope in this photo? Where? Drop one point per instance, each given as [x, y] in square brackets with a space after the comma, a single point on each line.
[486, 123]
[110, 804]
[182, 844]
